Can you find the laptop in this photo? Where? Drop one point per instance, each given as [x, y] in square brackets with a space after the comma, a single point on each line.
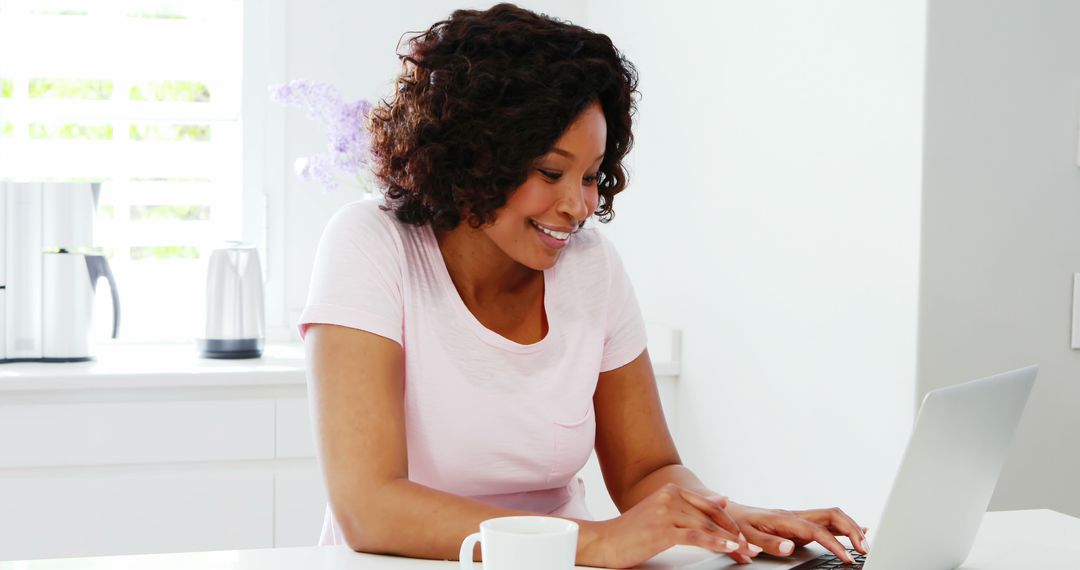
[948, 473]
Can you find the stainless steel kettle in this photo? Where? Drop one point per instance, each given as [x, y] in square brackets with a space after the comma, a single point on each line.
[235, 314]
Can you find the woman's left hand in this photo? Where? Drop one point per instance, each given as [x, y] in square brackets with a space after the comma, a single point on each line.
[778, 532]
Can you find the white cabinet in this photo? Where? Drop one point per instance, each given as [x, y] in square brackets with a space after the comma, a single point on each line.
[113, 433]
[299, 504]
[294, 435]
[115, 464]
[74, 512]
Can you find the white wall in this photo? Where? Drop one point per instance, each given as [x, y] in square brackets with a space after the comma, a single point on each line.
[1001, 223]
[773, 215]
[353, 46]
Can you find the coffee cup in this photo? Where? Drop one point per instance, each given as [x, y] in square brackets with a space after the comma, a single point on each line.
[523, 543]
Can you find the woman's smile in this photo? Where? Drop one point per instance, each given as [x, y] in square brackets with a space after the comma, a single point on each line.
[553, 237]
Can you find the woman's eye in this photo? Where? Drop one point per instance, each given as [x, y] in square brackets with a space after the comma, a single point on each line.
[589, 180]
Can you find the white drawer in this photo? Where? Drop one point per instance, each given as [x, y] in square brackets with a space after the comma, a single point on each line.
[295, 437]
[90, 512]
[135, 432]
[299, 504]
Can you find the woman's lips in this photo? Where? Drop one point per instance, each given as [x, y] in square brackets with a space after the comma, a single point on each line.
[550, 241]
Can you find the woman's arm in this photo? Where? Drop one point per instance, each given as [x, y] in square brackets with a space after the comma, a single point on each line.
[635, 449]
[637, 457]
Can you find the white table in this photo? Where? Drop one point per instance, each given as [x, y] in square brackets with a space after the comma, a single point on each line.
[1007, 540]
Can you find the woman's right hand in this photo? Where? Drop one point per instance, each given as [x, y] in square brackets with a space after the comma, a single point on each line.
[672, 515]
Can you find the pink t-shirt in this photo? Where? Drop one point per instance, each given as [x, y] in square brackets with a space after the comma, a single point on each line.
[488, 418]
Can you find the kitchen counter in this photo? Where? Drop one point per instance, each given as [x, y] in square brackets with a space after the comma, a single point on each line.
[122, 366]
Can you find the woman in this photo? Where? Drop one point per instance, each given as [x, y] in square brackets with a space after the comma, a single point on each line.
[469, 342]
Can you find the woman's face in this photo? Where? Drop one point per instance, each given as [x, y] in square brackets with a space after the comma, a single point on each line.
[540, 216]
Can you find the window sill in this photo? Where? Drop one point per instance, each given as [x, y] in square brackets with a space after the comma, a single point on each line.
[178, 366]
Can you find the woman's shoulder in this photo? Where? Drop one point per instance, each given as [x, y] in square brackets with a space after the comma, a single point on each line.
[366, 214]
[591, 255]
[367, 224]
[587, 242]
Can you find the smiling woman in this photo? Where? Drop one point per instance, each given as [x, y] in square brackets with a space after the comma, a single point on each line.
[470, 343]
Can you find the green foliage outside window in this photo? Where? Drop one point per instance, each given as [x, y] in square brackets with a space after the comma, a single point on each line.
[177, 179]
[61, 12]
[170, 133]
[71, 131]
[87, 89]
[164, 252]
[162, 12]
[180, 91]
[7, 86]
[194, 213]
[7, 130]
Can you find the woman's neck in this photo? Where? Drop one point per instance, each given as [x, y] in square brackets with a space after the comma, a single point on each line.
[479, 269]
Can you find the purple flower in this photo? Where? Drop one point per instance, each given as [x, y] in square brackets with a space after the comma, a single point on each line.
[348, 140]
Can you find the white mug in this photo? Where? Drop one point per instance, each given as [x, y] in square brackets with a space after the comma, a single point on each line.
[523, 543]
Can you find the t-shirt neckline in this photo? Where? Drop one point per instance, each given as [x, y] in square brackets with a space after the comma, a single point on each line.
[485, 334]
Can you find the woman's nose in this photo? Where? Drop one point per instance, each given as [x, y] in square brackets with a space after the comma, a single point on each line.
[574, 203]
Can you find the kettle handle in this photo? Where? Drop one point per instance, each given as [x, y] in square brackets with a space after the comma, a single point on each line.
[98, 266]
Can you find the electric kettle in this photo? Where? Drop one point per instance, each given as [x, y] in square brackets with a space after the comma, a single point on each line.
[235, 319]
[70, 281]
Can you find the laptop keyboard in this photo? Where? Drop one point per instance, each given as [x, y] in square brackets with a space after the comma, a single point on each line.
[830, 561]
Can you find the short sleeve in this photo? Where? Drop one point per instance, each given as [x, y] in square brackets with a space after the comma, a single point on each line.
[624, 336]
[356, 280]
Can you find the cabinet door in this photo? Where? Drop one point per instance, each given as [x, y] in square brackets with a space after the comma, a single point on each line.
[97, 512]
[104, 433]
[295, 437]
[300, 504]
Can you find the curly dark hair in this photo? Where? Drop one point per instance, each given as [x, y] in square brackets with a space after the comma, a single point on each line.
[483, 94]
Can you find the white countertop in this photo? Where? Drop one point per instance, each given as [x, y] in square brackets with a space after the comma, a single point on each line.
[1007, 540]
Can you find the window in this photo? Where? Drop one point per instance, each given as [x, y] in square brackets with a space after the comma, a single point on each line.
[143, 96]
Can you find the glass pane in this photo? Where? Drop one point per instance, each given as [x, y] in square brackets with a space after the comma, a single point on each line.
[181, 91]
[86, 89]
[171, 213]
[59, 11]
[71, 131]
[170, 133]
[158, 252]
[149, 9]
[163, 11]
